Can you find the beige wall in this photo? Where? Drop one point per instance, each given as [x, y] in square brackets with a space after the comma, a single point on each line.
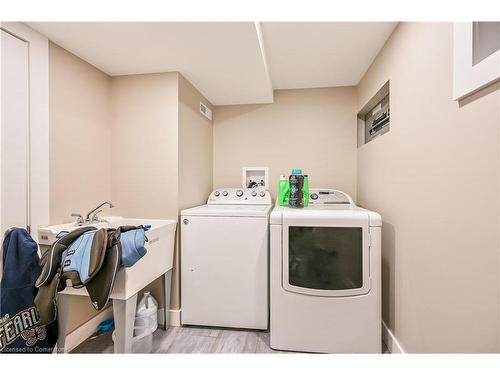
[312, 129]
[138, 140]
[80, 136]
[79, 145]
[434, 179]
[144, 175]
[111, 138]
[161, 152]
[195, 147]
[195, 162]
[144, 145]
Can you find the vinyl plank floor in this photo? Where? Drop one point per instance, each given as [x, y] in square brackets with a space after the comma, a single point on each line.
[236, 341]
[162, 340]
[190, 339]
[185, 342]
[98, 344]
[201, 331]
[263, 346]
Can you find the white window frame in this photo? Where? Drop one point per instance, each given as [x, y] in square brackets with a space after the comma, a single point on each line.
[469, 78]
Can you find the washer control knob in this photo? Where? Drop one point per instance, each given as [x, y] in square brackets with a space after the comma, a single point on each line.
[216, 193]
[314, 196]
[224, 193]
[239, 193]
[262, 193]
[254, 193]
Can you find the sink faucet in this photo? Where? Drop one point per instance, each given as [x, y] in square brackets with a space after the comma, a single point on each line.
[95, 211]
[79, 219]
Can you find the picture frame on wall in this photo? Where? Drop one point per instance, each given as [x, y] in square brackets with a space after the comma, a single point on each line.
[476, 57]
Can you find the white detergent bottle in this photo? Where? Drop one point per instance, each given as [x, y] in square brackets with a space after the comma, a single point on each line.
[146, 316]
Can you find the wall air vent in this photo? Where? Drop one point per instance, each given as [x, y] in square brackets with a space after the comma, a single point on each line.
[374, 117]
[205, 111]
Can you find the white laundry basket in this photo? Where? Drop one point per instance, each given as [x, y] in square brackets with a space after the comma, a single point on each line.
[146, 322]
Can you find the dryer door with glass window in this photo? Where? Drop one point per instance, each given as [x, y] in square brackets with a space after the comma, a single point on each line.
[326, 256]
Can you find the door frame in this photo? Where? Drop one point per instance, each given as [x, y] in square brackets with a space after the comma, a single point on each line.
[38, 179]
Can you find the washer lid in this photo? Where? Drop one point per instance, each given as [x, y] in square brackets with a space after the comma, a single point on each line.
[236, 210]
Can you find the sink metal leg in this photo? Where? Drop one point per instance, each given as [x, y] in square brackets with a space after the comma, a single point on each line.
[124, 316]
[168, 286]
[63, 303]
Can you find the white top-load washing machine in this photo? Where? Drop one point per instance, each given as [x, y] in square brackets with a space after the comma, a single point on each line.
[224, 260]
[325, 276]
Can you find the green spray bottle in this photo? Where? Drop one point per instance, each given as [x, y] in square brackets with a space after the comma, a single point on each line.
[283, 191]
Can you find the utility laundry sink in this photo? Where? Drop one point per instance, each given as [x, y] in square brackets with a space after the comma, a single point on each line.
[158, 261]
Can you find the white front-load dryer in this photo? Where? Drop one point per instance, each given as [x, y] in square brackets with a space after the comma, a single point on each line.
[225, 260]
[325, 276]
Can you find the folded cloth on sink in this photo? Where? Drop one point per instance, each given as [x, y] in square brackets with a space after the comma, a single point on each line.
[132, 240]
[88, 257]
[84, 257]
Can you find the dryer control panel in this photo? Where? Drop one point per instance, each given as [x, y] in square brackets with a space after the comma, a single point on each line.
[328, 196]
[239, 196]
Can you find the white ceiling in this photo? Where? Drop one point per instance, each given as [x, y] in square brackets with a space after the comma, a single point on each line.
[322, 54]
[226, 60]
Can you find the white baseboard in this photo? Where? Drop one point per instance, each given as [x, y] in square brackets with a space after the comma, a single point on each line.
[174, 317]
[391, 341]
[79, 335]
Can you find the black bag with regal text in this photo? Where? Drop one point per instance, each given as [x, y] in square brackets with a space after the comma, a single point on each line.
[19, 332]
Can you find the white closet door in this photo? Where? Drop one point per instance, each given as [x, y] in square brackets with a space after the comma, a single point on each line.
[14, 204]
